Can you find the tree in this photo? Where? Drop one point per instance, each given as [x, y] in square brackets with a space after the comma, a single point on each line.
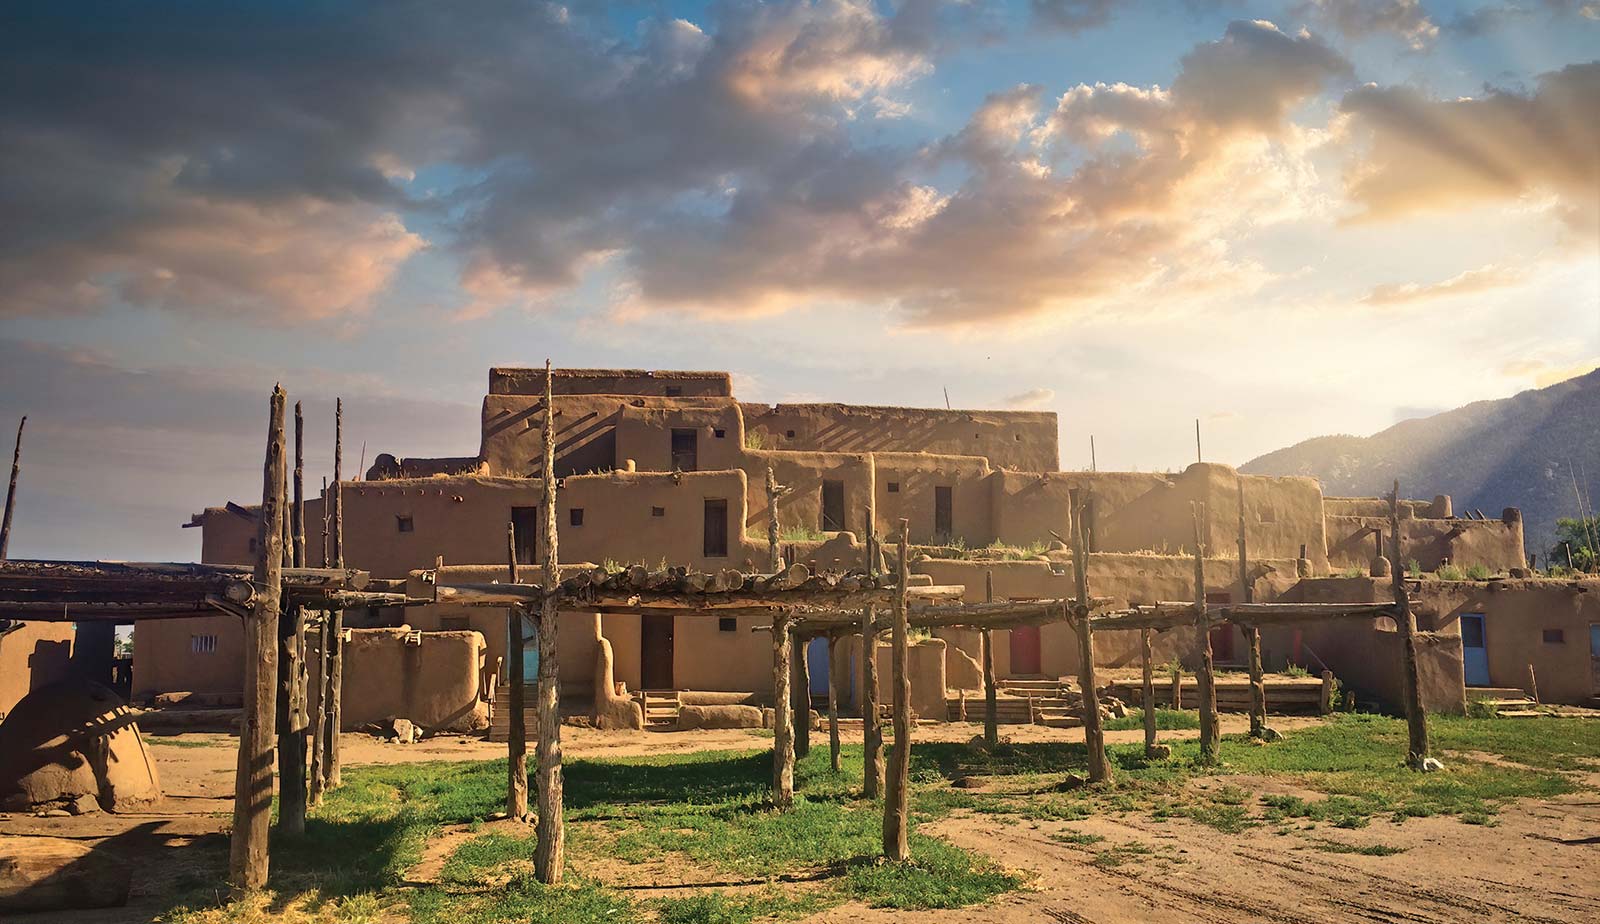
[1579, 535]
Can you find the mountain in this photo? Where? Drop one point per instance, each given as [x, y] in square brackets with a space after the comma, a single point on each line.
[1519, 451]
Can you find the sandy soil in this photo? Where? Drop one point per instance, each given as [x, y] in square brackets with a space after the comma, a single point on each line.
[1533, 866]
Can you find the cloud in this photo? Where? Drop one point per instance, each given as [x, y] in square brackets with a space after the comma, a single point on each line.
[1489, 19]
[1422, 154]
[1407, 20]
[1474, 280]
[1073, 16]
[1032, 398]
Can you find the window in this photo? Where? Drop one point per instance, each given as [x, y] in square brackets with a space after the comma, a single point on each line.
[1555, 636]
[455, 623]
[525, 534]
[1267, 514]
[789, 434]
[252, 545]
[403, 523]
[658, 511]
[674, 391]
[575, 516]
[832, 506]
[719, 433]
[943, 513]
[684, 449]
[894, 487]
[716, 531]
[202, 644]
[727, 624]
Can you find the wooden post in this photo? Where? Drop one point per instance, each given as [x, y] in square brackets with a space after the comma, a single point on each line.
[516, 729]
[325, 561]
[550, 853]
[1094, 735]
[1147, 698]
[1416, 719]
[319, 721]
[774, 563]
[782, 714]
[1177, 687]
[297, 513]
[11, 491]
[1205, 677]
[871, 730]
[991, 708]
[833, 705]
[1252, 633]
[1533, 686]
[336, 631]
[800, 696]
[1325, 701]
[252, 798]
[897, 803]
[292, 722]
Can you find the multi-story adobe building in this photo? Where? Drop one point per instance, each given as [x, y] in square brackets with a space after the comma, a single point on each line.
[671, 467]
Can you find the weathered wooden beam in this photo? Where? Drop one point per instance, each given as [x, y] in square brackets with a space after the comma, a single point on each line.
[516, 728]
[774, 562]
[292, 723]
[11, 491]
[1406, 622]
[1148, 699]
[800, 695]
[1252, 632]
[1094, 735]
[1210, 730]
[252, 803]
[871, 731]
[782, 714]
[833, 704]
[991, 718]
[336, 632]
[897, 799]
[550, 850]
[297, 513]
[319, 727]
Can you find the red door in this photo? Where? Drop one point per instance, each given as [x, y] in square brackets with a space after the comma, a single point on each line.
[1025, 650]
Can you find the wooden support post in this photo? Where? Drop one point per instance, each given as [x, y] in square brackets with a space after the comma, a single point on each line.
[336, 631]
[1094, 735]
[297, 513]
[833, 705]
[897, 802]
[325, 561]
[1416, 719]
[1252, 633]
[1177, 687]
[516, 729]
[550, 853]
[991, 708]
[11, 491]
[319, 726]
[1205, 677]
[871, 730]
[782, 714]
[1147, 698]
[252, 799]
[1325, 700]
[800, 696]
[1533, 687]
[292, 722]
[774, 563]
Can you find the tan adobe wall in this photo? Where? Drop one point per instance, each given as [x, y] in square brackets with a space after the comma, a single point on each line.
[918, 475]
[34, 655]
[644, 435]
[200, 655]
[586, 430]
[803, 474]
[507, 380]
[1024, 440]
[1439, 508]
[434, 683]
[1494, 544]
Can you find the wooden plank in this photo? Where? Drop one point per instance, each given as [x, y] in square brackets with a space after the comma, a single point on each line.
[252, 803]
[550, 851]
[897, 800]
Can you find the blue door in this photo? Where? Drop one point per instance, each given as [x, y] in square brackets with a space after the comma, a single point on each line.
[530, 651]
[817, 661]
[1474, 655]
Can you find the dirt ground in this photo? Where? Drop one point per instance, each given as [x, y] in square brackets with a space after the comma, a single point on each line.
[1539, 863]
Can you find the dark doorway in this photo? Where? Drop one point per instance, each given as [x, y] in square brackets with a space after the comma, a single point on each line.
[1221, 636]
[943, 513]
[716, 540]
[655, 652]
[525, 530]
[685, 450]
[832, 506]
[1024, 651]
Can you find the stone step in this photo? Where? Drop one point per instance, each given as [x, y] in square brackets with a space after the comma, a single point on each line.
[1482, 693]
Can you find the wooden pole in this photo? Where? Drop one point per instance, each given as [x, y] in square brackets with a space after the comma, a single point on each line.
[252, 799]
[1094, 735]
[833, 705]
[293, 723]
[297, 513]
[11, 491]
[1205, 677]
[897, 803]
[319, 727]
[550, 853]
[800, 694]
[774, 563]
[325, 562]
[1148, 697]
[516, 729]
[1252, 633]
[336, 631]
[1416, 719]
[782, 714]
[991, 708]
[871, 730]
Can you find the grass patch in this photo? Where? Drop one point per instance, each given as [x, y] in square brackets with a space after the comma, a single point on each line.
[1369, 850]
[1166, 720]
[184, 742]
[1120, 854]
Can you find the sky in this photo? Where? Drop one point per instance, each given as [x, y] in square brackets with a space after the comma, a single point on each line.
[1281, 219]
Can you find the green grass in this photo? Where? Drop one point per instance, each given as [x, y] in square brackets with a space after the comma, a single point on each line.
[1166, 720]
[1370, 850]
[185, 742]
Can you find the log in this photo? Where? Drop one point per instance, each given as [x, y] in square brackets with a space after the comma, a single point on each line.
[319, 728]
[53, 874]
[1210, 730]
[292, 796]
[774, 562]
[297, 513]
[833, 705]
[871, 730]
[800, 694]
[782, 715]
[336, 635]
[11, 491]
[1094, 735]
[550, 852]
[1258, 687]
[252, 802]
[897, 801]
[991, 721]
[1406, 621]
[1147, 700]
[516, 729]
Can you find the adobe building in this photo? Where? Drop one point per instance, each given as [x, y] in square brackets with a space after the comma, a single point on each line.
[670, 467]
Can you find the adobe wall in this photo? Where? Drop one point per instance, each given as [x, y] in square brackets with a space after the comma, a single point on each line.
[508, 380]
[1517, 614]
[644, 434]
[1025, 440]
[433, 683]
[917, 475]
[33, 655]
[803, 474]
[586, 430]
[165, 659]
[1494, 544]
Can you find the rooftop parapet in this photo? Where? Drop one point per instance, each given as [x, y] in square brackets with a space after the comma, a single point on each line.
[644, 382]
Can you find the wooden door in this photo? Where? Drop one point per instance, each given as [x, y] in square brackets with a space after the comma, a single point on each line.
[655, 652]
[1474, 650]
[944, 519]
[685, 450]
[716, 529]
[1025, 651]
[525, 528]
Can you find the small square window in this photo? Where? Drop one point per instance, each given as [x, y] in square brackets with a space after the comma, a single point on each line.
[658, 511]
[1555, 636]
[719, 434]
[575, 516]
[789, 434]
[894, 487]
[727, 624]
[404, 524]
[252, 545]
[202, 644]
[454, 623]
[674, 391]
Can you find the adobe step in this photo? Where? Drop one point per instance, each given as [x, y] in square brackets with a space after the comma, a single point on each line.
[1487, 693]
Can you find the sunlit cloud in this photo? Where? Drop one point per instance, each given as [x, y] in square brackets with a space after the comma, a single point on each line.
[1468, 282]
